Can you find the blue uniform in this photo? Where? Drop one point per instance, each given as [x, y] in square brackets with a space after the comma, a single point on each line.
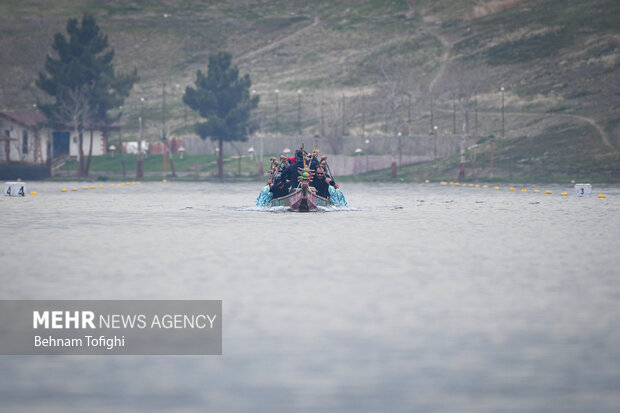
[321, 185]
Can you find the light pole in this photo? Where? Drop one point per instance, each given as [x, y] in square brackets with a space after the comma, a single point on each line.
[476, 116]
[140, 171]
[367, 142]
[344, 122]
[299, 111]
[184, 108]
[492, 141]
[164, 139]
[432, 121]
[434, 132]
[454, 114]
[364, 120]
[502, 90]
[277, 110]
[400, 151]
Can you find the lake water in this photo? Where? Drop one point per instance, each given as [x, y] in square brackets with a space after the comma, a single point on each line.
[419, 297]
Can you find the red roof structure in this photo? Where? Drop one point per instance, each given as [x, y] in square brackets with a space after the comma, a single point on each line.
[29, 119]
[37, 119]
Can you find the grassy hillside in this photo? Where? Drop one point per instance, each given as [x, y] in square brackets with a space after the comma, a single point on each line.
[558, 61]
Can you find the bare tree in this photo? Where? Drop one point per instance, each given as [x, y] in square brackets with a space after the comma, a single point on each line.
[466, 86]
[331, 115]
[394, 104]
[76, 108]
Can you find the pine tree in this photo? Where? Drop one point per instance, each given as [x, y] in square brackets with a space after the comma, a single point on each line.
[81, 81]
[223, 99]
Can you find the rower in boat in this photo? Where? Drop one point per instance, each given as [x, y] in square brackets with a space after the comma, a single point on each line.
[321, 183]
[290, 175]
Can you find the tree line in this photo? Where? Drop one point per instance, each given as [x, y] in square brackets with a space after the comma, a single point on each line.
[84, 88]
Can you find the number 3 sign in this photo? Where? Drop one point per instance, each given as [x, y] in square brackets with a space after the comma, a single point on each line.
[583, 190]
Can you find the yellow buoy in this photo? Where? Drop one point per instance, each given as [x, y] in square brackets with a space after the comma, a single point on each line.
[524, 190]
[497, 187]
[93, 187]
[34, 193]
[63, 190]
[100, 186]
[85, 187]
[536, 191]
[426, 181]
[548, 192]
[602, 196]
[477, 186]
[485, 186]
[74, 189]
[564, 194]
[138, 182]
[512, 189]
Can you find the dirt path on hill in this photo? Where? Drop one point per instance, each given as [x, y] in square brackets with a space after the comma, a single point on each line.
[445, 57]
[443, 60]
[579, 118]
[601, 131]
[273, 45]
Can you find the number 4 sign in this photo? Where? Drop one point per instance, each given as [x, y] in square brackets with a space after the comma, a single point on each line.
[15, 189]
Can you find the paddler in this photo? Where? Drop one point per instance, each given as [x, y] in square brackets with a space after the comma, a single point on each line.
[277, 188]
[290, 174]
[322, 183]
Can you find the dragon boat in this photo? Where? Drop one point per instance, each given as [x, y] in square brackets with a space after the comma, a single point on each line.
[304, 198]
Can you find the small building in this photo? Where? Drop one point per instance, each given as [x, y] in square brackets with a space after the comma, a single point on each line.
[25, 137]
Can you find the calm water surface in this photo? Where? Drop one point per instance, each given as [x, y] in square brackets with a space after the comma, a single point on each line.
[421, 298]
